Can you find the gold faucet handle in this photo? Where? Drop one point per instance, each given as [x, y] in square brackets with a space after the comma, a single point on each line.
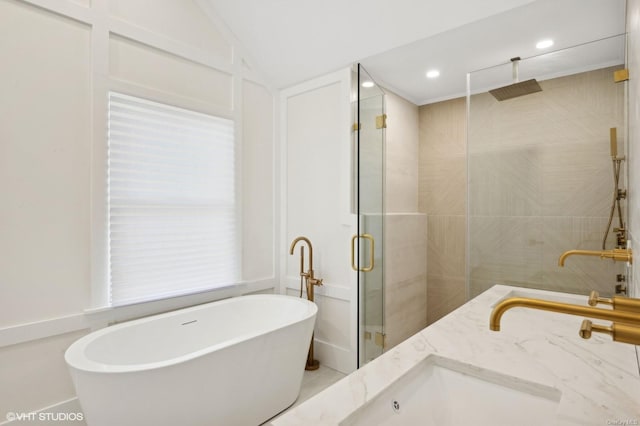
[316, 281]
[587, 327]
[594, 299]
[620, 332]
[620, 255]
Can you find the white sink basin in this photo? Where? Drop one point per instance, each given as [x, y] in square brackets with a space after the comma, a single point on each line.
[440, 392]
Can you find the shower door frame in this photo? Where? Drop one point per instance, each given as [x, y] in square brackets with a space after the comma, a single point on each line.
[369, 131]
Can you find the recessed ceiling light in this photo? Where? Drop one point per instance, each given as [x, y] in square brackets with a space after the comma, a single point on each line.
[368, 84]
[543, 44]
[433, 74]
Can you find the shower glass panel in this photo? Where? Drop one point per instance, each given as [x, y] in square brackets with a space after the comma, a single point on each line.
[540, 171]
[369, 241]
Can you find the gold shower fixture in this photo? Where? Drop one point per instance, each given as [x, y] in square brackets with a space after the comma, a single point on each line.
[618, 255]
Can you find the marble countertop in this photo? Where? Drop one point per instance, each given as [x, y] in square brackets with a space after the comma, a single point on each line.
[599, 379]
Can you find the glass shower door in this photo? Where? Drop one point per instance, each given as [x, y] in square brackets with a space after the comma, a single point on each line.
[369, 240]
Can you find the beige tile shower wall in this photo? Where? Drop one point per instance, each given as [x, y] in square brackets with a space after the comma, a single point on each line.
[541, 183]
[401, 155]
[405, 290]
[442, 196]
[541, 179]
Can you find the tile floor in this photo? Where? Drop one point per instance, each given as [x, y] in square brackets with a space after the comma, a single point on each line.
[314, 382]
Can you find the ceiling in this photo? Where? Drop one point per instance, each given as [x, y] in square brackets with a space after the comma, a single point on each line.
[291, 41]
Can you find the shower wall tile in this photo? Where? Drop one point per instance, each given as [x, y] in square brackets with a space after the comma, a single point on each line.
[442, 196]
[401, 155]
[541, 183]
[506, 250]
[569, 109]
[444, 295]
[442, 186]
[577, 178]
[405, 312]
[477, 287]
[506, 183]
[442, 129]
[405, 269]
[446, 246]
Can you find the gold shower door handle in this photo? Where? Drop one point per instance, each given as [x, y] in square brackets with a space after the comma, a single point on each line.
[371, 253]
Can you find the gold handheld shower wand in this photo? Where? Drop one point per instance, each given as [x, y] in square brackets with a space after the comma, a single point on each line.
[618, 194]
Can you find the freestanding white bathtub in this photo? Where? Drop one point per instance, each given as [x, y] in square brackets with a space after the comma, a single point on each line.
[237, 361]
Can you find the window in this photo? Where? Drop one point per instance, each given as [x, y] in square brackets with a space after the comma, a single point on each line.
[171, 201]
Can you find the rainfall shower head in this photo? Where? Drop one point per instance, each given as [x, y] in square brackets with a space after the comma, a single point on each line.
[518, 88]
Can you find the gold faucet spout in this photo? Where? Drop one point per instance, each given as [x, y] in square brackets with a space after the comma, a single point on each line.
[565, 308]
[306, 240]
[624, 255]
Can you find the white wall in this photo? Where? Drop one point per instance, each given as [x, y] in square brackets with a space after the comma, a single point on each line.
[59, 60]
[315, 202]
[633, 64]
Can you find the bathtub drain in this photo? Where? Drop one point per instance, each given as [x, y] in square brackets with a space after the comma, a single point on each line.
[396, 406]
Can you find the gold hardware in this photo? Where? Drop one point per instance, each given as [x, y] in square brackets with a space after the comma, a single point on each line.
[381, 121]
[627, 304]
[371, 253]
[367, 335]
[546, 305]
[356, 127]
[380, 339]
[621, 75]
[613, 141]
[624, 255]
[620, 332]
[310, 281]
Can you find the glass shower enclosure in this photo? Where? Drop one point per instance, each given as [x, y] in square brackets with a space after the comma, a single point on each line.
[540, 176]
[367, 245]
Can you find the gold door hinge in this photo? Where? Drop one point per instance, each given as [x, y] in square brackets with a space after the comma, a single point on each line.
[367, 335]
[621, 75]
[356, 127]
[381, 121]
[380, 339]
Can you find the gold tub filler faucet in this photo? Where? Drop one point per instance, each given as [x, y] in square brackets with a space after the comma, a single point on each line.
[625, 314]
[309, 280]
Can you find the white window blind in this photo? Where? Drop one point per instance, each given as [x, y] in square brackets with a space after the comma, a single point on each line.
[172, 207]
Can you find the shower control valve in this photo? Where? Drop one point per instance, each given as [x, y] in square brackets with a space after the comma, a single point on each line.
[621, 289]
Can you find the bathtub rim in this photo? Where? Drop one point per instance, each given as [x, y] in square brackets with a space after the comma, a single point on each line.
[76, 359]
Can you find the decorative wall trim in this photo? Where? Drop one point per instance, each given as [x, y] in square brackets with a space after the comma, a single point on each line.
[98, 318]
[124, 29]
[65, 8]
[336, 357]
[326, 289]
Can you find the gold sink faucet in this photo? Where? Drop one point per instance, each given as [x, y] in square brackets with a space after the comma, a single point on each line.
[618, 303]
[628, 332]
[624, 255]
